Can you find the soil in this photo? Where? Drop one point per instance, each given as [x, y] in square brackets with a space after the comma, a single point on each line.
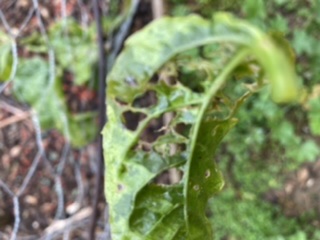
[300, 195]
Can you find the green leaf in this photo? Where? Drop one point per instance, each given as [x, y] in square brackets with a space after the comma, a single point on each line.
[142, 57]
[75, 49]
[255, 9]
[303, 43]
[5, 57]
[139, 208]
[308, 151]
[314, 115]
[83, 128]
[203, 177]
[164, 214]
[31, 86]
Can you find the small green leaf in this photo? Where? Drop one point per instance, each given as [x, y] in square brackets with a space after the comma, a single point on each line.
[314, 116]
[31, 86]
[73, 44]
[5, 57]
[302, 42]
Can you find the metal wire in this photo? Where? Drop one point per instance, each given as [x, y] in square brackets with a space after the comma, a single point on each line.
[41, 161]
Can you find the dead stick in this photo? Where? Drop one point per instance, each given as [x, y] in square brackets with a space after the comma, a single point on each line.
[60, 226]
[158, 12]
[10, 108]
[14, 119]
[157, 8]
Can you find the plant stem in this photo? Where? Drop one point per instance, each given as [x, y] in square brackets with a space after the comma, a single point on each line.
[102, 119]
[217, 84]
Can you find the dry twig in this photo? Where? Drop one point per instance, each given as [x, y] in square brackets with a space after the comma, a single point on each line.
[59, 227]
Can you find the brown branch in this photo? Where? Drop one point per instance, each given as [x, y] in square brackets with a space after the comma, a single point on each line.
[158, 12]
[60, 226]
[157, 8]
[14, 119]
[10, 108]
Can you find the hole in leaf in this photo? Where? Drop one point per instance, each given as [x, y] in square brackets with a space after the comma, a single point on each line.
[169, 177]
[171, 147]
[154, 129]
[157, 127]
[192, 79]
[148, 99]
[154, 79]
[171, 80]
[132, 119]
[183, 129]
[144, 146]
[120, 102]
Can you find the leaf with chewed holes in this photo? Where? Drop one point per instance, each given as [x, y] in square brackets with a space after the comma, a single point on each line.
[140, 207]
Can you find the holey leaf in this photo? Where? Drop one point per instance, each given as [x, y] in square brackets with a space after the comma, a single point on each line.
[140, 145]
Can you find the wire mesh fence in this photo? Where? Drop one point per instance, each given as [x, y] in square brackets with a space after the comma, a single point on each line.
[46, 184]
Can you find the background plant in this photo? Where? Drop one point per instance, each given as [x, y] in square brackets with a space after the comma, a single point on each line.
[68, 51]
[48, 65]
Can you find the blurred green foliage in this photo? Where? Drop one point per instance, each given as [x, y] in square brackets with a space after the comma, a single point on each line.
[249, 219]
[252, 219]
[314, 116]
[5, 57]
[39, 79]
[74, 47]
[269, 141]
[203, 7]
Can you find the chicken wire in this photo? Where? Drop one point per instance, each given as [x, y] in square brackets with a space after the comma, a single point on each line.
[67, 217]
